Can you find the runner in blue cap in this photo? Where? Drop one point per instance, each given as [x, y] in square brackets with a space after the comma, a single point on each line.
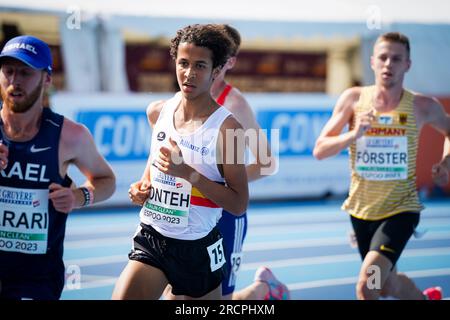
[36, 148]
[31, 51]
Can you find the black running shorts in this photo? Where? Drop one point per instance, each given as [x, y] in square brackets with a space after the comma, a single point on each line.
[193, 267]
[387, 236]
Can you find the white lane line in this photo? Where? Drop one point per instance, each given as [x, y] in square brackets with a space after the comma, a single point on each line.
[277, 221]
[87, 262]
[91, 282]
[322, 283]
[323, 242]
[109, 281]
[101, 242]
[352, 280]
[248, 245]
[291, 244]
[260, 225]
[106, 228]
[273, 263]
[329, 259]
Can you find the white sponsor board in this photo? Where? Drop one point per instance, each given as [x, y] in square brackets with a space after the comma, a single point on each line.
[120, 129]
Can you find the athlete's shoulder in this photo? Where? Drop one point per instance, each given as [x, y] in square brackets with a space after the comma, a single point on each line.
[352, 94]
[236, 101]
[155, 106]
[231, 123]
[74, 133]
[154, 109]
[427, 109]
[348, 99]
[424, 101]
[241, 109]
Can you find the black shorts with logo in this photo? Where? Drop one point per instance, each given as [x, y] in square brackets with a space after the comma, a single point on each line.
[186, 263]
[387, 236]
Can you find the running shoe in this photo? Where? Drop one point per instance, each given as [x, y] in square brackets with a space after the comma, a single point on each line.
[433, 293]
[277, 289]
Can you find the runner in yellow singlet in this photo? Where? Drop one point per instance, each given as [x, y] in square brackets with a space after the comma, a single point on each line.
[384, 127]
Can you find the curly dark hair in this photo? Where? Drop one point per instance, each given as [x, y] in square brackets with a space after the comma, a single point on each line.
[209, 36]
[235, 38]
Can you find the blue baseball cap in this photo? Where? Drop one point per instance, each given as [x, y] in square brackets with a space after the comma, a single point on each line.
[30, 50]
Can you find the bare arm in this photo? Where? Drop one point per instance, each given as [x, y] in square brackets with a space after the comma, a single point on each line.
[139, 190]
[265, 163]
[153, 111]
[331, 141]
[430, 111]
[440, 171]
[234, 196]
[78, 147]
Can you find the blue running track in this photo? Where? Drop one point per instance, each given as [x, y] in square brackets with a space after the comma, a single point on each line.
[306, 244]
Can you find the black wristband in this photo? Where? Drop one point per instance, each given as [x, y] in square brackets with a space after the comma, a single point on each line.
[87, 196]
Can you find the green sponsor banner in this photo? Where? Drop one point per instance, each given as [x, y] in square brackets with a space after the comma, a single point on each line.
[380, 169]
[23, 236]
[172, 212]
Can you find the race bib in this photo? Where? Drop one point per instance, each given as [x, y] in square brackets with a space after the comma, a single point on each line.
[382, 158]
[169, 200]
[216, 255]
[23, 220]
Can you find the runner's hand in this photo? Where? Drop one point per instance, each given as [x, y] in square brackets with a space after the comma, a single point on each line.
[139, 192]
[63, 198]
[439, 173]
[3, 156]
[170, 161]
[363, 123]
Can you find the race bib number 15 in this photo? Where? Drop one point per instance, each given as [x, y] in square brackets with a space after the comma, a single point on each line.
[216, 255]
